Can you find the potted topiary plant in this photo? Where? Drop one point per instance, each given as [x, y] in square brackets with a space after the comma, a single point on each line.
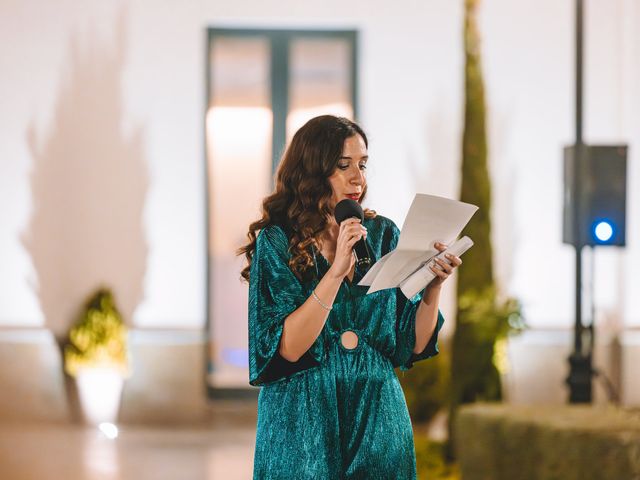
[96, 356]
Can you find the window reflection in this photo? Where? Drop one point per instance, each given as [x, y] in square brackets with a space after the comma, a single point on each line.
[319, 80]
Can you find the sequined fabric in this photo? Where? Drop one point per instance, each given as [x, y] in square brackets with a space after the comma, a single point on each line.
[337, 413]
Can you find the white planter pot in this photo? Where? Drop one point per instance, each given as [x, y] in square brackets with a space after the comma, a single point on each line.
[99, 391]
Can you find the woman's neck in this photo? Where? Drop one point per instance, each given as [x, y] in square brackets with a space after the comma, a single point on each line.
[329, 238]
[331, 231]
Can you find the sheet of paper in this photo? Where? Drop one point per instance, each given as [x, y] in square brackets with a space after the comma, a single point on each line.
[373, 271]
[430, 219]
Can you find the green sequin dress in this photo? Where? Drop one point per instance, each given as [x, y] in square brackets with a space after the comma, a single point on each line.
[336, 413]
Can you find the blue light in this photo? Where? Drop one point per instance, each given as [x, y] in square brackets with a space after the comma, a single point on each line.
[603, 231]
[236, 356]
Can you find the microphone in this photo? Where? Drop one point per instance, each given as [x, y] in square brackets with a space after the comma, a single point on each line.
[351, 209]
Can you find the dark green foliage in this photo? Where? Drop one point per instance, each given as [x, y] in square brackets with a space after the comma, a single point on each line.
[426, 386]
[475, 186]
[481, 321]
[564, 442]
[473, 372]
[430, 460]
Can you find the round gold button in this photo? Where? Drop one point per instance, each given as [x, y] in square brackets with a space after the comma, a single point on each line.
[349, 339]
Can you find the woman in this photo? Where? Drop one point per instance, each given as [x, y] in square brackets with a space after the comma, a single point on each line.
[331, 406]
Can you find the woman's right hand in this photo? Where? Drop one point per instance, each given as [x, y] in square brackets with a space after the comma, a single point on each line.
[351, 230]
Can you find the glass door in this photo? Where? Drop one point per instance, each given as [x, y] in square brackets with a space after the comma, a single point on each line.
[262, 85]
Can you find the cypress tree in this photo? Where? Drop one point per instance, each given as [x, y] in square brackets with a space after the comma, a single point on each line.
[473, 373]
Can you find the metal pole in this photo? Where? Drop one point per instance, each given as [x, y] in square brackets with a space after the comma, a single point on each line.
[580, 375]
[579, 52]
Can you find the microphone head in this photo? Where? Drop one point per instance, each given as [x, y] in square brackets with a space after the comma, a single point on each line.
[348, 208]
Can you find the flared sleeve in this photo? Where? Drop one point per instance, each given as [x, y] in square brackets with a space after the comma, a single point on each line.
[274, 293]
[406, 333]
[405, 327]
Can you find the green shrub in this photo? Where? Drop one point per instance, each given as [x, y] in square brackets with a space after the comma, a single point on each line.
[99, 338]
[567, 442]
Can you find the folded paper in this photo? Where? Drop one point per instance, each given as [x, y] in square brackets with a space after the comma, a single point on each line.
[430, 219]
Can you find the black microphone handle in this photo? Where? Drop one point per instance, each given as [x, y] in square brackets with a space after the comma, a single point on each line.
[363, 258]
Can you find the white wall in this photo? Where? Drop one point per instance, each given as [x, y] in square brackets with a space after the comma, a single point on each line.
[411, 106]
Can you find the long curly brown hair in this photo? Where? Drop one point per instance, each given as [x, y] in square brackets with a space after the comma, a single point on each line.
[300, 203]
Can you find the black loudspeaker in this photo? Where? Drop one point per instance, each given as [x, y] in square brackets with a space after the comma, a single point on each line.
[595, 195]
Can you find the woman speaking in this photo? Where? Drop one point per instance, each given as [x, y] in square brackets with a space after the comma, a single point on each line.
[330, 406]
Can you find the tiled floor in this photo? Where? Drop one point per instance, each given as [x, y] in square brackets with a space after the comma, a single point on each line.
[67, 452]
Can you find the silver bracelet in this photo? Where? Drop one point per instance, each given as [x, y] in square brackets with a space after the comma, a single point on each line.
[323, 305]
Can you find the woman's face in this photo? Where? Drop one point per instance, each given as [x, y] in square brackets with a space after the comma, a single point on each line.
[349, 178]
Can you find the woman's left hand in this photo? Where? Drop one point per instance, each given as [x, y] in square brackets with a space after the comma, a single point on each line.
[443, 269]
